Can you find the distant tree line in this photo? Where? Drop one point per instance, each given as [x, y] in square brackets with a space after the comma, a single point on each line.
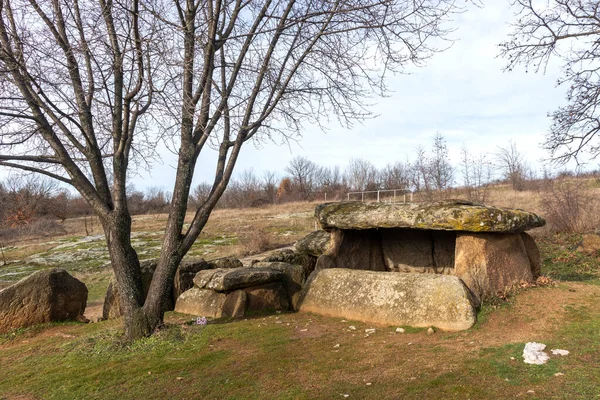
[429, 176]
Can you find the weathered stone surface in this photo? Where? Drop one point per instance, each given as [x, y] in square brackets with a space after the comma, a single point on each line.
[533, 252]
[419, 300]
[295, 277]
[288, 256]
[226, 262]
[324, 262]
[314, 244]
[201, 303]
[490, 264]
[183, 281]
[269, 296]
[48, 295]
[406, 250]
[357, 250]
[451, 215]
[184, 277]
[224, 280]
[235, 304]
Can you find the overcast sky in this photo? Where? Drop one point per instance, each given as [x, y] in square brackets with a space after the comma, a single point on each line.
[463, 93]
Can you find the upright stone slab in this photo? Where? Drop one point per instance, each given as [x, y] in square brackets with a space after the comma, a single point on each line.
[490, 264]
[357, 250]
[419, 300]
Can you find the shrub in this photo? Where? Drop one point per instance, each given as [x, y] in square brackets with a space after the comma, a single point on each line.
[570, 206]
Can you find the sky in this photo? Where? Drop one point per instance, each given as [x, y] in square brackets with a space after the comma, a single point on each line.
[463, 93]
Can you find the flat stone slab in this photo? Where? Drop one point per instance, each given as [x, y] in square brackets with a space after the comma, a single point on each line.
[387, 298]
[224, 279]
[451, 215]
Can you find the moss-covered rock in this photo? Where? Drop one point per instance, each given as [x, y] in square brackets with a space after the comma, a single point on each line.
[451, 215]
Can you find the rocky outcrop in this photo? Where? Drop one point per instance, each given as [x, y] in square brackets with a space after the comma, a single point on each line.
[419, 300]
[491, 264]
[49, 295]
[234, 292]
[451, 215]
[315, 243]
[182, 282]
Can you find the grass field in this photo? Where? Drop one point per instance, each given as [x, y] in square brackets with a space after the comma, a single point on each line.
[296, 355]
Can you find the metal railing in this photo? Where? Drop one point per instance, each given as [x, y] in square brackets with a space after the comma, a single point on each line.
[392, 199]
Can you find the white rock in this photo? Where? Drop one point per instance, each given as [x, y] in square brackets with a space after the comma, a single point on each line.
[430, 331]
[559, 352]
[352, 327]
[369, 331]
[337, 346]
[533, 353]
[559, 374]
[399, 330]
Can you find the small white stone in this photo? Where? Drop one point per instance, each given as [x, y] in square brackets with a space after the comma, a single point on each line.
[559, 352]
[303, 330]
[368, 383]
[531, 391]
[399, 330]
[337, 346]
[344, 320]
[559, 374]
[352, 327]
[369, 331]
[430, 331]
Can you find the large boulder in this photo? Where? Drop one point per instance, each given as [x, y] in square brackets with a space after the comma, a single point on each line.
[201, 303]
[451, 215]
[385, 298]
[225, 280]
[183, 281]
[490, 264]
[315, 243]
[49, 295]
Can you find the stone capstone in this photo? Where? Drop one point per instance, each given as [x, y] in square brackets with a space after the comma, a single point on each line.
[451, 215]
[49, 295]
[490, 264]
[224, 280]
[418, 300]
[315, 243]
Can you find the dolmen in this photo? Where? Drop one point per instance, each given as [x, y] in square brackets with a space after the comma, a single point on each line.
[419, 264]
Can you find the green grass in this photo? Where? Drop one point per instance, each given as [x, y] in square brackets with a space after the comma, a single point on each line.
[562, 261]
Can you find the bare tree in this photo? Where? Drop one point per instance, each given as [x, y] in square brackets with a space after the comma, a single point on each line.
[511, 162]
[477, 174]
[567, 30]
[89, 87]
[302, 172]
[441, 171]
[396, 176]
[362, 175]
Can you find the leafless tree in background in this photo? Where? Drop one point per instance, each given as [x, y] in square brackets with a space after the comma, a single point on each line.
[302, 172]
[441, 171]
[568, 30]
[362, 175]
[511, 162]
[88, 87]
[477, 174]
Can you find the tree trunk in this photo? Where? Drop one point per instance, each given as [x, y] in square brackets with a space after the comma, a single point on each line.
[126, 266]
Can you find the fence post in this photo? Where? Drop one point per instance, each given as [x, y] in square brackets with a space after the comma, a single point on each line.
[378, 196]
[348, 196]
[362, 197]
[411, 197]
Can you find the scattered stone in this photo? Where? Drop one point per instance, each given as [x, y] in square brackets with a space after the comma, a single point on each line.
[352, 327]
[369, 331]
[337, 346]
[531, 391]
[399, 330]
[420, 300]
[48, 295]
[223, 280]
[314, 244]
[559, 352]
[533, 353]
[559, 374]
[430, 331]
[368, 383]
